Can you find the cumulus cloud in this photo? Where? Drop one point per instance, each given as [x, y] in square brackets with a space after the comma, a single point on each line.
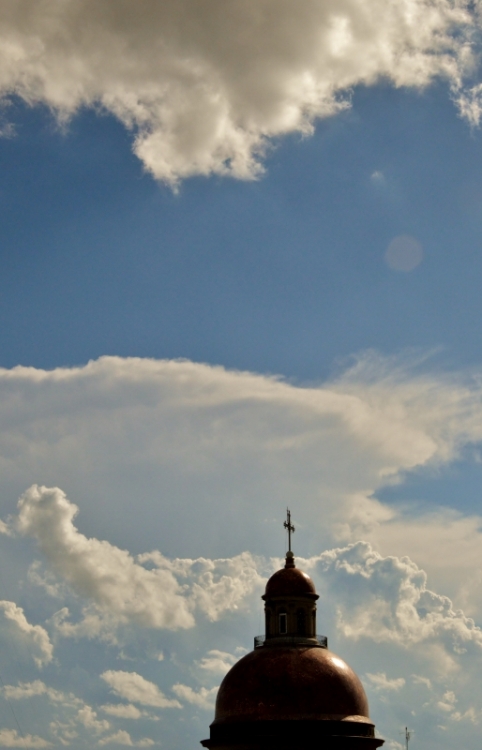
[203, 697]
[123, 738]
[387, 600]
[218, 661]
[212, 586]
[119, 587]
[30, 689]
[380, 681]
[123, 711]
[133, 687]
[98, 570]
[11, 738]
[24, 690]
[34, 636]
[203, 92]
[82, 715]
[88, 717]
[119, 738]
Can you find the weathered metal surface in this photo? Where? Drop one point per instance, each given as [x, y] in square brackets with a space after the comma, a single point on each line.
[286, 683]
[289, 582]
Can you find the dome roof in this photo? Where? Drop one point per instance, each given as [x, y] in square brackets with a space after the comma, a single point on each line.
[283, 683]
[290, 582]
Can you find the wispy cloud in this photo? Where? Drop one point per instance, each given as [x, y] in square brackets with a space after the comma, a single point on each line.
[380, 681]
[133, 687]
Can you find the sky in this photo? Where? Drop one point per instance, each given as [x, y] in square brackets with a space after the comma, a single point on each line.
[241, 262]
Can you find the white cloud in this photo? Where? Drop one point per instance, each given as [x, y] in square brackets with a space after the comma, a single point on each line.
[123, 738]
[420, 680]
[218, 661]
[88, 717]
[448, 701]
[24, 690]
[45, 580]
[380, 681]
[121, 589]
[119, 738]
[35, 636]
[98, 570]
[127, 711]
[30, 689]
[386, 599]
[203, 91]
[197, 428]
[133, 687]
[122, 711]
[169, 432]
[212, 586]
[94, 624]
[11, 738]
[203, 697]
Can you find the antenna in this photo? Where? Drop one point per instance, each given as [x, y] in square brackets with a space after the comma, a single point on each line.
[408, 736]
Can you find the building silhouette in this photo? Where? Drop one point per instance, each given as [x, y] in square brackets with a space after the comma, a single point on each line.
[291, 692]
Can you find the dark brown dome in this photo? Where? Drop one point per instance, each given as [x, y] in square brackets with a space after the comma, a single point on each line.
[286, 683]
[289, 582]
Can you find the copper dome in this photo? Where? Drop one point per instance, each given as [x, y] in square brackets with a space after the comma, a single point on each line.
[287, 683]
[291, 693]
[290, 582]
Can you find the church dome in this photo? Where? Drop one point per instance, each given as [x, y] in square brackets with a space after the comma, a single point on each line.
[291, 692]
[290, 582]
[286, 683]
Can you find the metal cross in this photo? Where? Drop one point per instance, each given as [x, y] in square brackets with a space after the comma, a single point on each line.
[289, 527]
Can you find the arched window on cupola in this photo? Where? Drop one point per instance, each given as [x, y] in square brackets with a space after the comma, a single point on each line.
[301, 622]
[283, 623]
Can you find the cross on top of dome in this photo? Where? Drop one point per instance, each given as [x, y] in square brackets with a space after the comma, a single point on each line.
[289, 527]
[290, 558]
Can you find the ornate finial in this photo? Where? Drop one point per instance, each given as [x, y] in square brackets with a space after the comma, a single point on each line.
[290, 559]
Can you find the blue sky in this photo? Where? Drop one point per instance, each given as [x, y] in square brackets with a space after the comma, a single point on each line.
[285, 274]
[241, 269]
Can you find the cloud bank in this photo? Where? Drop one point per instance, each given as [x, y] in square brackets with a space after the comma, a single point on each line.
[204, 92]
[200, 445]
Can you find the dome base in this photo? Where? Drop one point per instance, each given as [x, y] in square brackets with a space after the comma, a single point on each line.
[293, 735]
